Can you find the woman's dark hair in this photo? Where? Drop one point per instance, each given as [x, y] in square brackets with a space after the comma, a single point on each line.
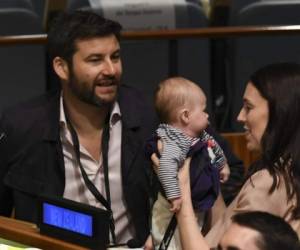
[68, 28]
[279, 84]
[275, 233]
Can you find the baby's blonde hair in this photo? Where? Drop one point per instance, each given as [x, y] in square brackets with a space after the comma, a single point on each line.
[172, 95]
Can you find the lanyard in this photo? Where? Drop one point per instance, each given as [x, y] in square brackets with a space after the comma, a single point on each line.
[168, 234]
[90, 185]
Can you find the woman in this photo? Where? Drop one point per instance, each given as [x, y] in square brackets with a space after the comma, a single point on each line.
[271, 118]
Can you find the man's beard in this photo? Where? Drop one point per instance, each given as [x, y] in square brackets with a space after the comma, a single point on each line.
[88, 95]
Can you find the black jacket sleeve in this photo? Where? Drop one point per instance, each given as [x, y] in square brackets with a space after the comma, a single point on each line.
[6, 200]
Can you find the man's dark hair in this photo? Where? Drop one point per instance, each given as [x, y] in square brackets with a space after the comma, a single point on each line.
[68, 28]
[275, 232]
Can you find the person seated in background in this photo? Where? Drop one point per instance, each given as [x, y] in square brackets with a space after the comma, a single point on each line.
[180, 105]
[271, 99]
[258, 230]
[95, 125]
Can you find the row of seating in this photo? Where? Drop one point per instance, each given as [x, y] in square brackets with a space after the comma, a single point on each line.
[23, 70]
[245, 55]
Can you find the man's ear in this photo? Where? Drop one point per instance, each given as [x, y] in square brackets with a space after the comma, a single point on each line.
[184, 116]
[61, 68]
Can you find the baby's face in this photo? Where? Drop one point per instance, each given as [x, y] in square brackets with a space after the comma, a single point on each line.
[198, 116]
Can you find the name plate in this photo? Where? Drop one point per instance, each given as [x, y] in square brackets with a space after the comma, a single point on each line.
[140, 14]
[75, 222]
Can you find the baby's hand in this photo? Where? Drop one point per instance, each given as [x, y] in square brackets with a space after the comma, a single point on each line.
[176, 204]
[224, 173]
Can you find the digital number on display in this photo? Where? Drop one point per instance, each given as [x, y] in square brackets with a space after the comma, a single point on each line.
[67, 219]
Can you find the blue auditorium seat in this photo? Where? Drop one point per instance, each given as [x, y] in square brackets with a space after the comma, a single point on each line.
[39, 7]
[23, 4]
[237, 5]
[247, 54]
[22, 67]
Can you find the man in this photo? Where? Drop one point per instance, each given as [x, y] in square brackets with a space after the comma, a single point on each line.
[259, 231]
[48, 144]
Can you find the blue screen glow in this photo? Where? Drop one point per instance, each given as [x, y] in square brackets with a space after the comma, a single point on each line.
[67, 219]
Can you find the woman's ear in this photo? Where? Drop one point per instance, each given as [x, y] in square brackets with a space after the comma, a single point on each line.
[185, 116]
[61, 68]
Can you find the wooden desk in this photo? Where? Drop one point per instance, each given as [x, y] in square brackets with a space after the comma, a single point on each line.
[28, 234]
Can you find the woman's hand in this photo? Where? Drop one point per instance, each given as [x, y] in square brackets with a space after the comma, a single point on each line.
[184, 179]
[191, 238]
[190, 235]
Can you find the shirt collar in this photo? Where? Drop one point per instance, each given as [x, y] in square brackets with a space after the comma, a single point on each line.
[115, 114]
[62, 115]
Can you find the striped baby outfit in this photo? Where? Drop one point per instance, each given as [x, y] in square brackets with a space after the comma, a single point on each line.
[176, 145]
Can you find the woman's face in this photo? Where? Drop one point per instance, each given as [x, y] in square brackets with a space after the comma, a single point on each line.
[254, 115]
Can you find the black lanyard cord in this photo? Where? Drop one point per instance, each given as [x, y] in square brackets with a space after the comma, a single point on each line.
[90, 185]
[168, 234]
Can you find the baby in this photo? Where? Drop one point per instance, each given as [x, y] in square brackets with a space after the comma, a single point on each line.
[180, 105]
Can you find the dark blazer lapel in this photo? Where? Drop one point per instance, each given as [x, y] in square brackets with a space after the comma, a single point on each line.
[131, 122]
[131, 145]
[51, 137]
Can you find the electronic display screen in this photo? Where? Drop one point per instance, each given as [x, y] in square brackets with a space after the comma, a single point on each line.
[67, 219]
